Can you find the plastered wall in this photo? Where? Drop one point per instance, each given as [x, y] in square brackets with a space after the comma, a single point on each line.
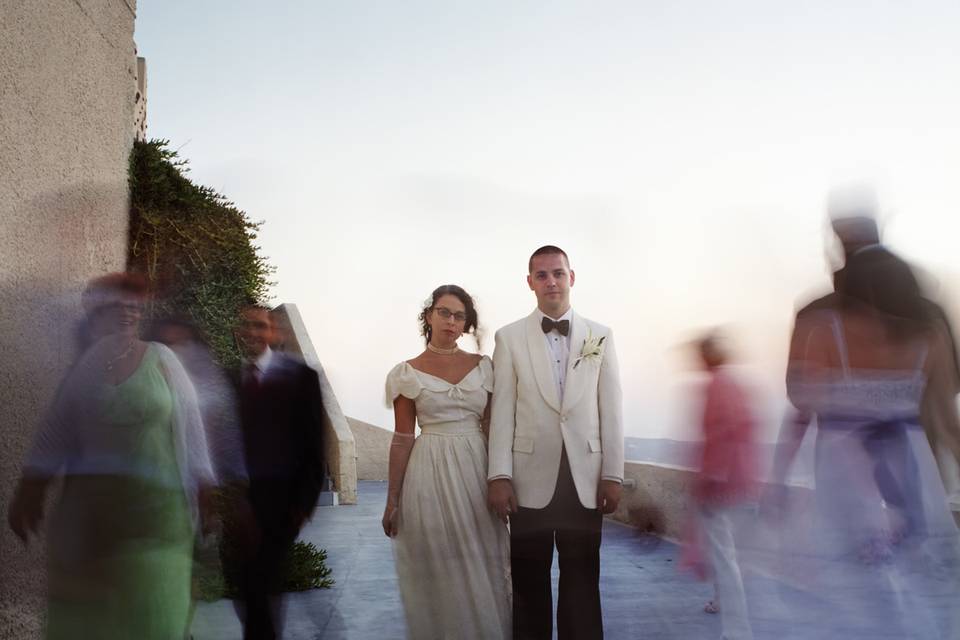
[67, 86]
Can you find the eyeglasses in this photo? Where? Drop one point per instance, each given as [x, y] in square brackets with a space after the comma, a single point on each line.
[446, 314]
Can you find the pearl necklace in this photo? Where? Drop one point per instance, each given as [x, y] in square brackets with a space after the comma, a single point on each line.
[442, 352]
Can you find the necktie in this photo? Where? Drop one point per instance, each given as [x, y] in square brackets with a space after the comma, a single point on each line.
[548, 325]
[251, 377]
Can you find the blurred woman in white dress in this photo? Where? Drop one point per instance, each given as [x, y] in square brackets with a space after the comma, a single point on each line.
[452, 554]
[886, 552]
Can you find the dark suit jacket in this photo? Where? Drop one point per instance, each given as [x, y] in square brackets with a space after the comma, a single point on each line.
[281, 418]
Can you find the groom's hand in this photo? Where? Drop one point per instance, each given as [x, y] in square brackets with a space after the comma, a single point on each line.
[501, 499]
[608, 496]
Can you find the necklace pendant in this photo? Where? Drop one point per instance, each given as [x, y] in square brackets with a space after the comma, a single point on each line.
[112, 361]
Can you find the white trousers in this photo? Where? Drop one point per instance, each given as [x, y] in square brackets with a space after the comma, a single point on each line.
[727, 582]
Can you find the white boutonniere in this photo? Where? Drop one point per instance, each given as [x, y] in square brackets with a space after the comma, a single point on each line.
[592, 349]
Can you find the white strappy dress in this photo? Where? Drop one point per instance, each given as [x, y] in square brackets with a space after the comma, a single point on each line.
[883, 555]
[452, 554]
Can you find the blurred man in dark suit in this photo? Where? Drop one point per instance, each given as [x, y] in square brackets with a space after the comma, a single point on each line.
[281, 415]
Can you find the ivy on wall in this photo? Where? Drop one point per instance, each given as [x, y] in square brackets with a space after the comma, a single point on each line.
[195, 247]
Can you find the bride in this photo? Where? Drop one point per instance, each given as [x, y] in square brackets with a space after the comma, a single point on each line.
[452, 554]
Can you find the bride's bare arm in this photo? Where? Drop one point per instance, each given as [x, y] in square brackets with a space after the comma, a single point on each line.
[405, 416]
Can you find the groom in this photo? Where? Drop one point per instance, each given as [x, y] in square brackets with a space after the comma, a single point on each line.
[556, 452]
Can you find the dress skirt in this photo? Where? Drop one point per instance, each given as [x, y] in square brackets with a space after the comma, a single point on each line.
[452, 553]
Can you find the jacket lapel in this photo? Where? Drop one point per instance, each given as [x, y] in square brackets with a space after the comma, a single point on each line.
[540, 360]
[575, 378]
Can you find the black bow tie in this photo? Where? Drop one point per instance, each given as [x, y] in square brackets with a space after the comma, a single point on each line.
[548, 325]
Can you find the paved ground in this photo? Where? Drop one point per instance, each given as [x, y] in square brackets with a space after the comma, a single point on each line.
[642, 589]
[644, 595]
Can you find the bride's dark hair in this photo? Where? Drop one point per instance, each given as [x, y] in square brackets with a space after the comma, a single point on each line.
[471, 325]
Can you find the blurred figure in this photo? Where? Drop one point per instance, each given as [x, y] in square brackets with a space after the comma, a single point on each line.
[884, 538]
[215, 394]
[125, 433]
[852, 211]
[281, 415]
[852, 217]
[853, 220]
[218, 408]
[725, 482]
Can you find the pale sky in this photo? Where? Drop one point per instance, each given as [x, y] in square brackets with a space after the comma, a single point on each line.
[681, 152]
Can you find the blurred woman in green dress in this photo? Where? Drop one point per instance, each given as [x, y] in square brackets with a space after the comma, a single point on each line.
[125, 433]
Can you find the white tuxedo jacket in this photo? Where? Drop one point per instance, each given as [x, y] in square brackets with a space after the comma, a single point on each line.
[529, 424]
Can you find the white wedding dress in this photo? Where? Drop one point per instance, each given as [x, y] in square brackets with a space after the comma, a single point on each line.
[452, 553]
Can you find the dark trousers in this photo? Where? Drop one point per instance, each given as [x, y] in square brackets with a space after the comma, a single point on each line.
[264, 566]
[576, 531]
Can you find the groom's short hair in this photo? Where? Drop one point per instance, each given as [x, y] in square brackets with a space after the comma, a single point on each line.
[545, 250]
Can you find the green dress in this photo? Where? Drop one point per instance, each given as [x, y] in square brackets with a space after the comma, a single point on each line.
[121, 541]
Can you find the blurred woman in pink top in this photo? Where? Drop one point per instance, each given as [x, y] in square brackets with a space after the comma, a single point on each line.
[726, 480]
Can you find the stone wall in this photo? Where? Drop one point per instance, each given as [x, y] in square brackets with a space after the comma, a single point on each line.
[140, 102]
[373, 450]
[655, 498]
[67, 87]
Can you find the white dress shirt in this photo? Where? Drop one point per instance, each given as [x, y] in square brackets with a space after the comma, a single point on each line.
[261, 363]
[558, 347]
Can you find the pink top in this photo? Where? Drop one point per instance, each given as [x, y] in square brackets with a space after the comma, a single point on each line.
[728, 460]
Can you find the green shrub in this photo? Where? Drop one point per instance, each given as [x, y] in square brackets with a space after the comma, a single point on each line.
[305, 569]
[195, 247]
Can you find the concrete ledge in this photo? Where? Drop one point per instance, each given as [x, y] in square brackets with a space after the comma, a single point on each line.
[341, 452]
[659, 501]
[373, 450]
